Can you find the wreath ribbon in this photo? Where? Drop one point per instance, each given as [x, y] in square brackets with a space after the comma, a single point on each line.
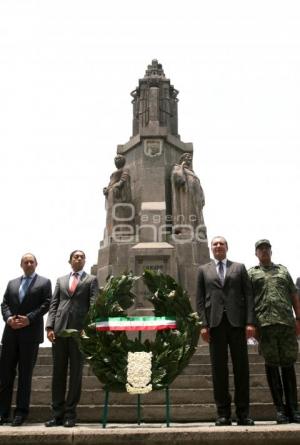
[135, 323]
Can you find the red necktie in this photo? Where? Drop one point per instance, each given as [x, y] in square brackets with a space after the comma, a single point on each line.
[74, 282]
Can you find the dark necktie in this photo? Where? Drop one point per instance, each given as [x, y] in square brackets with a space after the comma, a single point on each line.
[74, 282]
[221, 272]
[24, 287]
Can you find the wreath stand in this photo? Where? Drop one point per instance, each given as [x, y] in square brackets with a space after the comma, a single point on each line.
[138, 405]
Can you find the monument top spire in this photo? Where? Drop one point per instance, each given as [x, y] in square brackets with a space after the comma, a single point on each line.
[155, 69]
[155, 104]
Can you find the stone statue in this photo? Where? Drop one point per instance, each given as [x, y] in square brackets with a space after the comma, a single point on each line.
[187, 198]
[118, 192]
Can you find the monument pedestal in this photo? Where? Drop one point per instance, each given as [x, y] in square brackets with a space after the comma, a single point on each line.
[154, 256]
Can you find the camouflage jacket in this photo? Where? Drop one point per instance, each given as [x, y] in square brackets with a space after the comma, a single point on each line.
[272, 288]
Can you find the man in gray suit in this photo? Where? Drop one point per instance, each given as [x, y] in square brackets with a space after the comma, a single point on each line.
[25, 301]
[73, 295]
[225, 306]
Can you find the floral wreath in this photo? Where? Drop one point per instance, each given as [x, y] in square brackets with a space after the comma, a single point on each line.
[137, 366]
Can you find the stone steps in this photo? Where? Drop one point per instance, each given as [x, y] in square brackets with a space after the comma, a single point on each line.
[200, 357]
[178, 396]
[191, 394]
[182, 381]
[192, 369]
[186, 412]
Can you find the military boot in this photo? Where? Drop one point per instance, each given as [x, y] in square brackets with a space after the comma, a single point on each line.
[290, 392]
[275, 385]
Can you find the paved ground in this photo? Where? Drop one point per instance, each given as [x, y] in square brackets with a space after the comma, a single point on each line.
[155, 434]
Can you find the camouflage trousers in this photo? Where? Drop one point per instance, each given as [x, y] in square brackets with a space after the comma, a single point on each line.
[278, 344]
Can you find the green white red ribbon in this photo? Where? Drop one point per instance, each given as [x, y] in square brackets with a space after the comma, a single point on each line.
[135, 323]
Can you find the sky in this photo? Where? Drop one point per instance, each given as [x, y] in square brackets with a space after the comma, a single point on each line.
[67, 68]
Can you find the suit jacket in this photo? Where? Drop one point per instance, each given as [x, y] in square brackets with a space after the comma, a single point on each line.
[298, 285]
[68, 311]
[235, 296]
[34, 305]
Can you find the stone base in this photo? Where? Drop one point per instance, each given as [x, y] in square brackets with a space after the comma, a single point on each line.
[154, 434]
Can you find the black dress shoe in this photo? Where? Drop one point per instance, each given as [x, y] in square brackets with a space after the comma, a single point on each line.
[282, 418]
[69, 423]
[4, 420]
[295, 417]
[223, 421]
[56, 421]
[18, 421]
[246, 421]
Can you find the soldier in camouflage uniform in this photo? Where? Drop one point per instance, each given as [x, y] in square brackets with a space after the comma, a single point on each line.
[275, 298]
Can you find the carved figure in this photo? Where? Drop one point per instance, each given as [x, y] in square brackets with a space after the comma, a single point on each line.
[117, 192]
[187, 197]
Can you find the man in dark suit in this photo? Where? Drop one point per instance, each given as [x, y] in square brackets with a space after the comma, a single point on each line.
[25, 301]
[73, 295]
[225, 305]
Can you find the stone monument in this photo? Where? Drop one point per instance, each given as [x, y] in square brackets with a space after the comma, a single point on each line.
[154, 200]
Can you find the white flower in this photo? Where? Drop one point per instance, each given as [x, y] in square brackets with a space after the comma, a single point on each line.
[139, 372]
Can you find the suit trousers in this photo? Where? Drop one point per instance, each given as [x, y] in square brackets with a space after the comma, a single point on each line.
[65, 352]
[16, 353]
[222, 337]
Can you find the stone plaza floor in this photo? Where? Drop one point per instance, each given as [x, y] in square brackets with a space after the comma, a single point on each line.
[262, 433]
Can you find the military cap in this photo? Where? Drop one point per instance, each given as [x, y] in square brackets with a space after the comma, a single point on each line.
[262, 241]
